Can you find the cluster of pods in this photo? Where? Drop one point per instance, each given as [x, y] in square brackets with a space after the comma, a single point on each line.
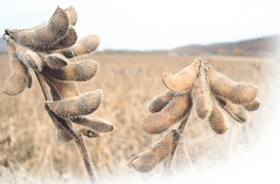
[52, 51]
[206, 90]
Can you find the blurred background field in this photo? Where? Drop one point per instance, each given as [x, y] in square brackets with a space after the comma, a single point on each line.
[129, 82]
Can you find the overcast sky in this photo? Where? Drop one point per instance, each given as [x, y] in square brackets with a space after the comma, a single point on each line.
[153, 24]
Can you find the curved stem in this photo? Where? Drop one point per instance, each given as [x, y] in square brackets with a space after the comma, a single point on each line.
[61, 123]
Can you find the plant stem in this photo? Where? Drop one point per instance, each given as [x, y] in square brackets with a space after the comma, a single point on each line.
[61, 123]
[168, 161]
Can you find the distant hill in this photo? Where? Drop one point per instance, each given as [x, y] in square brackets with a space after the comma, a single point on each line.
[258, 46]
[251, 47]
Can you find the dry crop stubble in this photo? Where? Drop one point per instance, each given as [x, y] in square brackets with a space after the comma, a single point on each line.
[125, 110]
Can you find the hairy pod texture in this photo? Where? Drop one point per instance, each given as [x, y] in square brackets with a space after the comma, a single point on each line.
[183, 80]
[155, 154]
[217, 119]
[201, 94]
[86, 45]
[28, 57]
[43, 37]
[55, 61]
[237, 112]
[75, 71]
[67, 40]
[159, 102]
[82, 105]
[19, 77]
[207, 90]
[72, 15]
[160, 121]
[38, 49]
[253, 105]
[237, 92]
[62, 90]
[96, 124]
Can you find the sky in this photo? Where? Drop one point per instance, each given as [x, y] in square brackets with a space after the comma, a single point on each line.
[153, 24]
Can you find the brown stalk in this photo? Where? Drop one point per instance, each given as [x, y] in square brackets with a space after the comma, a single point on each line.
[60, 122]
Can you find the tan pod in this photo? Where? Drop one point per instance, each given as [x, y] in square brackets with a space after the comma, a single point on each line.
[237, 92]
[86, 45]
[19, 77]
[67, 40]
[96, 124]
[217, 119]
[55, 61]
[81, 105]
[155, 154]
[160, 101]
[75, 71]
[201, 95]
[253, 105]
[183, 80]
[72, 15]
[158, 122]
[237, 112]
[43, 37]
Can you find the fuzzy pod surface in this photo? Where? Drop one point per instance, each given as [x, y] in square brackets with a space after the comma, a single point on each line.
[155, 154]
[183, 80]
[81, 105]
[160, 101]
[19, 77]
[159, 122]
[43, 37]
[81, 70]
[237, 92]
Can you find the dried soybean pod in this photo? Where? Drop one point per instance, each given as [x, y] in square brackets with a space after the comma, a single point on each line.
[155, 154]
[19, 76]
[34, 61]
[66, 40]
[253, 105]
[237, 112]
[217, 119]
[96, 124]
[158, 122]
[159, 102]
[42, 37]
[72, 15]
[21, 51]
[75, 71]
[183, 80]
[64, 90]
[55, 61]
[61, 90]
[201, 95]
[29, 57]
[237, 92]
[88, 133]
[82, 105]
[86, 45]
[58, 91]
